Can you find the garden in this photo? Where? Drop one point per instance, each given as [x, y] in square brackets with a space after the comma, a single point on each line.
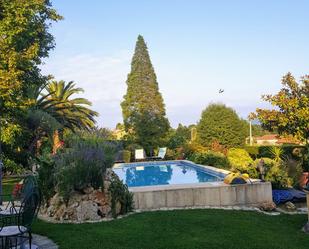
[48, 131]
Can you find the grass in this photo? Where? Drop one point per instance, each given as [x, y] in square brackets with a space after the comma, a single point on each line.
[181, 229]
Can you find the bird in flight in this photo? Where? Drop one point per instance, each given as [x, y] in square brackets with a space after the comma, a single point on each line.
[221, 90]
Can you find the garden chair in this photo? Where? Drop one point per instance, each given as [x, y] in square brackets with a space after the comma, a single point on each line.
[16, 228]
[18, 195]
[140, 155]
[161, 154]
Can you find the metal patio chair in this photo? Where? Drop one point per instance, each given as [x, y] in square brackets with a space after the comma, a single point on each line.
[16, 228]
[29, 183]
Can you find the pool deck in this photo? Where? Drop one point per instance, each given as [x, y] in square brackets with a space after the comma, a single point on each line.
[217, 194]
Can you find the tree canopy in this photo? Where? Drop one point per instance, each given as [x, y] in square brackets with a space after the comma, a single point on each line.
[222, 124]
[290, 114]
[143, 109]
[24, 41]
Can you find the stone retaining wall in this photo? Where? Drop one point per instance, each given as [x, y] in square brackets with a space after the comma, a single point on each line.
[202, 194]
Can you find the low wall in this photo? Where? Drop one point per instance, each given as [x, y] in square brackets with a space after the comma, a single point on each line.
[201, 194]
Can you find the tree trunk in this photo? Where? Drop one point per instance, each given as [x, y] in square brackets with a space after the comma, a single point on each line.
[56, 142]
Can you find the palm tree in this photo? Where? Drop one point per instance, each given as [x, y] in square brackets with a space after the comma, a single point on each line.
[56, 110]
[71, 113]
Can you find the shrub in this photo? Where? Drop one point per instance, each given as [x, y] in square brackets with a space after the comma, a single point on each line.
[217, 147]
[211, 158]
[253, 151]
[239, 160]
[82, 166]
[294, 170]
[283, 174]
[268, 164]
[46, 177]
[190, 148]
[175, 154]
[124, 156]
[278, 176]
[120, 193]
[221, 123]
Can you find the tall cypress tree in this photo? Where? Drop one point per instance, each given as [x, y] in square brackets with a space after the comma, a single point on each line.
[143, 109]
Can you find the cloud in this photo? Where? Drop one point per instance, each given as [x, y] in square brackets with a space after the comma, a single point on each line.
[102, 77]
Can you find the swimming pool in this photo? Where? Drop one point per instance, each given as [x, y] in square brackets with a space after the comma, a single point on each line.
[165, 173]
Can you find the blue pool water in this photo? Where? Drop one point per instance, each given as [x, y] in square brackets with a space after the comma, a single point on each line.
[163, 173]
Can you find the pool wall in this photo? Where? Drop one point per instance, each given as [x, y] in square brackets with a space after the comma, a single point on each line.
[201, 195]
[207, 194]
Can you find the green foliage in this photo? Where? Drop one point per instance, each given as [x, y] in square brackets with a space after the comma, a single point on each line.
[294, 170]
[210, 158]
[143, 108]
[291, 112]
[81, 163]
[190, 148]
[193, 134]
[282, 174]
[82, 166]
[72, 113]
[46, 180]
[178, 137]
[126, 156]
[222, 124]
[253, 151]
[25, 40]
[278, 176]
[276, 153]
[239, 160]
[123, 156]
[12, 168]
[120, 193]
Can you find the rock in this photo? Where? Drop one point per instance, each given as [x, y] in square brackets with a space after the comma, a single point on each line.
[60, 213]
[118, 207]
[88, 190]
[105, 211]
[87, 205]
[87, 210]
[267, 206]
[290, 206]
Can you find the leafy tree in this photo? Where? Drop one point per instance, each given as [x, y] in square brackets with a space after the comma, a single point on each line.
[291, 108]
[222, 124]
[178, 137]
[290, 114]
[143, 109]
[25, 40]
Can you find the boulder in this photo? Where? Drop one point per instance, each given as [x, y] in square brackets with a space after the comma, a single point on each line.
[290, 206]
[87, 210]
[267, 206]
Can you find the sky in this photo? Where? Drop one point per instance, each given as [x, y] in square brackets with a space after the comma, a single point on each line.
[196, 48]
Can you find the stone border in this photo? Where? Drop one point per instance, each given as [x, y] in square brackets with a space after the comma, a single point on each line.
[254, 208]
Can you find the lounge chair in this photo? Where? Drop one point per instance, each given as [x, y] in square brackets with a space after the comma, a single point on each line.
[161, 154]
[140, 155]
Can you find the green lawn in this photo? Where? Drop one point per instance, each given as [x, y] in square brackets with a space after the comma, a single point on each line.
[183, 229]
[209, 229]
